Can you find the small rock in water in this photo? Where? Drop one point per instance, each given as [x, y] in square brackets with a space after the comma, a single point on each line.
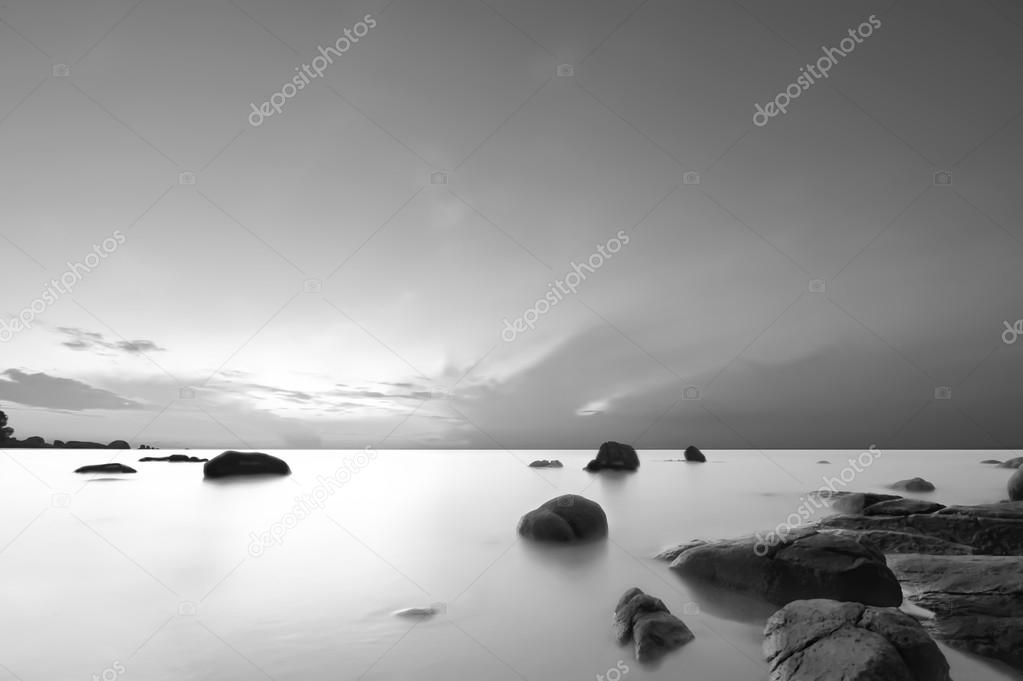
[567, 518]
[991, 461]
[429, 611]
[914, 485]
[1012, 463]
[175, 458]
[646, 620]
[695, 455]
[823, 461]
[544, 463]
[106, 468]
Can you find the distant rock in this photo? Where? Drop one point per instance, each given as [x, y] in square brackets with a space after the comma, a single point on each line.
[568, 518]
[544, 463]
[803, 564]
[694, 454]
[34, 442]
[175, 458]
[106, 468]
[76, 444]
[647, 621]
[902, 507]
[993, 529]
[1015, 486]
[823, 461]
[827, 640]
[232, 463]
[991, 461]
[118, 444]
[853, 502]
[914, 485]
[615, 456]
[1012, 463]
[977, 601]
[421, 612]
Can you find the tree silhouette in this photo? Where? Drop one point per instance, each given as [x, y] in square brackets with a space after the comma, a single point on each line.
[5, 430]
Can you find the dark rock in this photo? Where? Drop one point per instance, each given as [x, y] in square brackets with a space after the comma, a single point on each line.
[823, 461]
[1015, 486]
[244, 463]
[902, 507]
[991, 461]
[804, 564]
[993, 529]
[694, 454]
[175, 458]
[567, 518]
[75, 444]
[34, 442]
[1012, 463]
[118, 444]
[904, 542]
[646, 620]
[615, 456]
[854, 502]
[826, 640]
[977, 601]
[914, 485]
[106, 468]
[544, 463]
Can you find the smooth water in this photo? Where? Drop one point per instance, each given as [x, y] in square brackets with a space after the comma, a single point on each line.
[162, 575]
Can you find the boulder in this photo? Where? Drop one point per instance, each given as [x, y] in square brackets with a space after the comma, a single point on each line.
[175, 458]
[694, 454]
[118, 444]
[106, 468]
[544, 463]
[647, 621]
[902, 507]
[827, 640]
[803, 564]
[615, 456]
[1015, 486]
[993, 529]
[1012, 463]
[914, 485]
[232, 463]
[977, 601]
[568, 518]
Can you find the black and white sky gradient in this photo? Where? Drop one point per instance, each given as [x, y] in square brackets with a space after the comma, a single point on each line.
[310, 281]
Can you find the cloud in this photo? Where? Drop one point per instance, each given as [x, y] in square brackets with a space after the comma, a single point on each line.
[53, 392]
[80, 339]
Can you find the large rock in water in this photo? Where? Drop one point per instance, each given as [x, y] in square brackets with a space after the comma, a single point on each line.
[647, 620]
[825, 640]
[567, 518]
[694, 454]
[994, 529]
[977, 601]
[616, 456]
[1015, 486]
[805, 564]
[244, 463]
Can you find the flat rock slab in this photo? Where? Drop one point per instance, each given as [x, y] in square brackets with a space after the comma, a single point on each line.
[977, 600]
[902, 507]
[805, 564]
[826, 640]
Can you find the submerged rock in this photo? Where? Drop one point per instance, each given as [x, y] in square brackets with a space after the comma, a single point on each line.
[1015, 486]
[853, 502]
[1012, 463]
[827, 640]
[694, 454]
[175, 458]
[244, 463]
[991, 461]
[823, 461]
[106, 468]
[977, 601]
[804, 564]
[544, 463]
[647, 621]
[914, 485]
[615, 456]
[423, 612]
[568, 518]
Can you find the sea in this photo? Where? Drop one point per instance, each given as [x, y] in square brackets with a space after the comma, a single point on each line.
[164, 575]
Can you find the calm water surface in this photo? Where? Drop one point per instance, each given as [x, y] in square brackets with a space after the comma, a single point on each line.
[162, 575]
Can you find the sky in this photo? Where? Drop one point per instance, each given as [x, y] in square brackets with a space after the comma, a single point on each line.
[512, 223]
